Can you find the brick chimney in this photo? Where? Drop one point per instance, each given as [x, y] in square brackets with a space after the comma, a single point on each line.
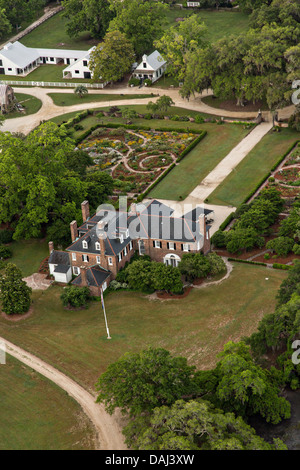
[101, 235]
[204, 233]
[83, 272]
[51, 247]
[74, 231]
[85, 208]
[133, 211]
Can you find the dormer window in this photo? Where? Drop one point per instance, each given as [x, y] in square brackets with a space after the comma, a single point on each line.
[84, 244]
[97, 246]
[121, 238]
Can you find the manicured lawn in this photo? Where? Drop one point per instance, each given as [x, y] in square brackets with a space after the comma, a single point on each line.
[30, 103]
[196, 165]
[68, 99]
[236, 187]
[28, 255]
[52, 34]
[38, 415]
[44, 73]
[219, 23]
[196, 326]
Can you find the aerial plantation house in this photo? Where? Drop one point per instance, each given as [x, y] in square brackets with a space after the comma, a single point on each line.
[17, 59]
[106, 241]
[152, 67]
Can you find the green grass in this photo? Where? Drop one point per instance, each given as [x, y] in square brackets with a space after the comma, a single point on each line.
[52, 34]
[37, 415]
[45, 73]
[244, 178]
[219, 24]
[196, 327]
[196, 165]
[69, 99]
[30, 103]
[28, 255]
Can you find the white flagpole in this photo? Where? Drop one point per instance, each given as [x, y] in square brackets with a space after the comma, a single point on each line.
[103, 306]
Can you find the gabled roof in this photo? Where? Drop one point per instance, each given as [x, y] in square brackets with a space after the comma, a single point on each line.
[19, 54]
[95, 277]
[154, 60]
[59, 257]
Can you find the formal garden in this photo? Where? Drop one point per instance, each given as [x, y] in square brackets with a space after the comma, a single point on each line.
[135, 159]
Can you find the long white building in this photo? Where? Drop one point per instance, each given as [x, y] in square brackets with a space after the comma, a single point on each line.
[17, 59]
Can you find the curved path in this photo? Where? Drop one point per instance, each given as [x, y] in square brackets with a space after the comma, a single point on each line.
[108, 432]
[49, 110]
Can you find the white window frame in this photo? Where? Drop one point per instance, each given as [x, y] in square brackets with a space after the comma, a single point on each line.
[85, 260]
[98, 260]
[110, 261]
[157, 244]
[97, 246]
[73, 256]
[125, 251]
[130, 246]
[186, 247]
[84, 244]
[171, 246]
[119, 257]
[76, 270]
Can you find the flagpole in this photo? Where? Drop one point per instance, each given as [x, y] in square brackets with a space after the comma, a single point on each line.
[103, 306]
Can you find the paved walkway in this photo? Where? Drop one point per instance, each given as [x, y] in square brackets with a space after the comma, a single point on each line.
[108, 432]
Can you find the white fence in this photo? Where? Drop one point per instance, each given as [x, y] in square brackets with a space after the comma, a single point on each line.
[52, 84]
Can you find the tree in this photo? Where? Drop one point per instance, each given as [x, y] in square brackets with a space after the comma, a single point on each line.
[87, 15]
[81, 90]
[194, 425]
[5, 26]
[281, 245]
[247, 389]
[178, 40]
[19, 11]
[290, 284]
[112, 58]
[75, 297]
[240, 239]
[194, 265]
[139, 382]
[141, 21]
[14, 292]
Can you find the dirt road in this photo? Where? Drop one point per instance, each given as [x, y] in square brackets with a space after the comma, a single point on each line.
[108, 431]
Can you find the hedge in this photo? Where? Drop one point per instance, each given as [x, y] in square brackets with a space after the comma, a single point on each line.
[247, 261]
[191, 146]
[137, 127]
[281, 266]
[141, 196]
[264, 179]
[227, 221]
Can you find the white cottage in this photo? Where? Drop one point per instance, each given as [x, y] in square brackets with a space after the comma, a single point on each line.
[152, 67]
[79, 68]
[59, 265]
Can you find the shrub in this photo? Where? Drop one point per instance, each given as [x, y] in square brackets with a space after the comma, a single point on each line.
[5, 252]
[134, 81]
[219, 239]
[14, 292]
[6, 236]
[281, 245]
[148, 82]
[75, 297]
[296, 249]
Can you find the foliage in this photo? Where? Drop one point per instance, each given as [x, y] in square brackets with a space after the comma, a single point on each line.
[14, 292]
[241, 239]
[141, 22]
[140, 382]
[281, 245]
[81, 90]
[193, 425]
[112, 58]
[6, 236]
[18, 11]
[75, 297]
[87, 15]
[148, 276]
[178, 40]
[290, 284]
[194, 265]
[5, 252]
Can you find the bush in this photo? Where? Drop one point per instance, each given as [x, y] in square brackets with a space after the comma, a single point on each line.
[281, 245]
[5, 252]
[219, 239]
[148, 82]
[134, 81]
[6, 236]
[75, 297]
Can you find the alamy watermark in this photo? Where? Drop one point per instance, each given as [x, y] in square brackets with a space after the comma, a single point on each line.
[296, 354]
[296, 94]
[2, 353]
